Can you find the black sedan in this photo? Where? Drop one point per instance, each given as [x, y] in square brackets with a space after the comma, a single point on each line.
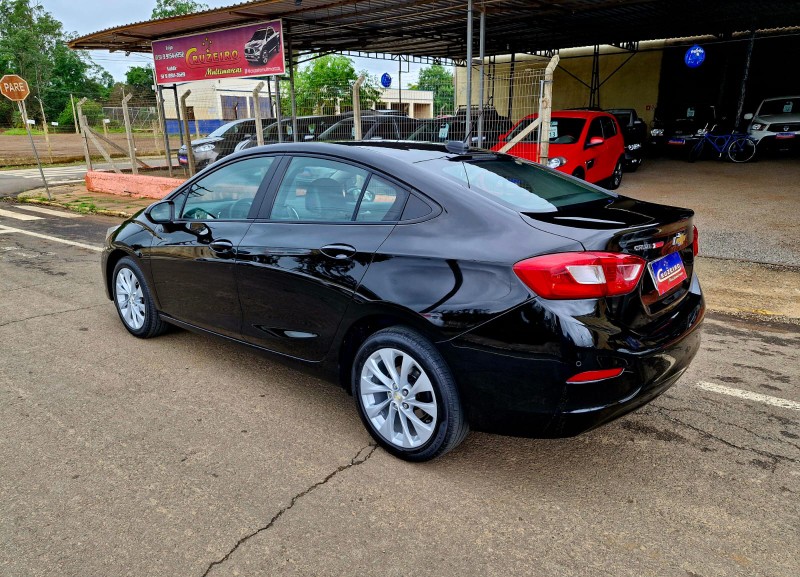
[447, 289]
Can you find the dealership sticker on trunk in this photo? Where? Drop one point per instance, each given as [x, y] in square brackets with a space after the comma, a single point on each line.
[667, 272]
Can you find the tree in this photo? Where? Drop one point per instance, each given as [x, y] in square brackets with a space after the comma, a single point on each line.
[325, 85]
[33, 45]
[167, 8]
[439, 80]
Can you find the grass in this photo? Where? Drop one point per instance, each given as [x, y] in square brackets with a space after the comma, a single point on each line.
[21, 132]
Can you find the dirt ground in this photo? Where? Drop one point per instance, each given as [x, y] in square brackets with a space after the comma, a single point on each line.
[16, 150]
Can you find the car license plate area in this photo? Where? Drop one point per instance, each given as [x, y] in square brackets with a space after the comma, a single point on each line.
[667, 272]
[785, 135]
[677, 141]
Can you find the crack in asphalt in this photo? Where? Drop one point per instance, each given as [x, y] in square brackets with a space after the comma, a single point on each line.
[354, 462]
[50, 314]
[775, 458]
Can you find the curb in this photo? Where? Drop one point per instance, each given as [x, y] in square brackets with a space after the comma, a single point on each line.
[102, 211]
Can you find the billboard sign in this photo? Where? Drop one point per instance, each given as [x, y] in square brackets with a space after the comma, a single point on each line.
[252, 50]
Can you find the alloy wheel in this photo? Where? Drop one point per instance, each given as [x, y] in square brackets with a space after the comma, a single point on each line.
[398, 398]
[130, 299]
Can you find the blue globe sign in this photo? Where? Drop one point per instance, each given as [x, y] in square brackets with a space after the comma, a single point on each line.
[386, 80]
[694, 56]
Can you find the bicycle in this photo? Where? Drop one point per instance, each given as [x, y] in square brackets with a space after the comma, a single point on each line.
[738, 147]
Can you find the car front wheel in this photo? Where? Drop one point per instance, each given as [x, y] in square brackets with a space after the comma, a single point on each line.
[406, 395]
[134, 302]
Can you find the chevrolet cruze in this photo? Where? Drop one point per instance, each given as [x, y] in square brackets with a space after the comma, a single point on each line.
[445, 288]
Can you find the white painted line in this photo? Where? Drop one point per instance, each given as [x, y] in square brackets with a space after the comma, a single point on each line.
[49, 211]
[5, 229]
[18, 216]
[749, 396]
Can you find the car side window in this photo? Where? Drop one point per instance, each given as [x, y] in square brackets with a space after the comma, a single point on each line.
[385, 130]
[595, 130]
[609, 127]
[226, 193]
[318, 189]
[382, 201]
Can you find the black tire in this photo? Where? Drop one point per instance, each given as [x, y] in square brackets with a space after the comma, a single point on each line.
[152, 325]
[450, 427]
[742, 150]
[697, 151]
[616, 177]
[264, 58]
[578, 173]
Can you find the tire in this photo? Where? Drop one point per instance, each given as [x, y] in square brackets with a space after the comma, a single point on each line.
[134, 301]
[697, 151]
[616, 177]
[578, 173]
[742, 150]
[412, 417]
[264, 58]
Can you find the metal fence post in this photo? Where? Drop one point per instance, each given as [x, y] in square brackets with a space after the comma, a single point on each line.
[359, 135]
[291, 88]
[46, 132]
[278, 108]
[257, 110]
[129, 133]
[189, 151]
[84, 138]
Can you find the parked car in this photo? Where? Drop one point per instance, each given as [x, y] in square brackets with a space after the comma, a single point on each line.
[264, 43]
[472, 291]
[776, 123]
[494, 125]
[219, 144]
[308, 128]
[680, 128]
[376, 126]
[448, 128]
[587, 144]
[634, 133]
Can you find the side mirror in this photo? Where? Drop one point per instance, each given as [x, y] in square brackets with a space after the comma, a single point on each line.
[161, 212]
[595, 141]
[748, 116]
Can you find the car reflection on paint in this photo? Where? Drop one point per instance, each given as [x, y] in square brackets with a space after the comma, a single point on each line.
[447, 289]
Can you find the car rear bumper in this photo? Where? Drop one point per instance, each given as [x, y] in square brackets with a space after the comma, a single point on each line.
[519, 388]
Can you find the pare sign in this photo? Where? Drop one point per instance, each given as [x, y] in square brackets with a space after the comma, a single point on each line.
[14, 87]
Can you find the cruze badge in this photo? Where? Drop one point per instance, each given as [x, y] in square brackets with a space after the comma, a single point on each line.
[679, 239]
[649, 245]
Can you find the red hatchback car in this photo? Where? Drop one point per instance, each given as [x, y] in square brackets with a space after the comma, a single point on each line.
[587, 144]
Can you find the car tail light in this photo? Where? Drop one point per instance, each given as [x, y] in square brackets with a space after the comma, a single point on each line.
[581, 275]
[695, 243]
[594, 376]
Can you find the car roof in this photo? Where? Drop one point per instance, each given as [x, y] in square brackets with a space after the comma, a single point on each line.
[576, 113]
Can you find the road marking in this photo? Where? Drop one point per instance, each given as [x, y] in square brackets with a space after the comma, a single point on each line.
[18, 216]
[8, 229]
[749, 396]
[48, 211]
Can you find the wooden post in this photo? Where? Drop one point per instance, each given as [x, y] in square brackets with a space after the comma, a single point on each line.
[84, 138]
[162, 118]
[129, 133]
[546, 108]
[257, 110]
[189, 151]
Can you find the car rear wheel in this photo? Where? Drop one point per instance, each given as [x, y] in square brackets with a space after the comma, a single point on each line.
[406, 395]
[134, 302]
[616, 176]
[578, 173]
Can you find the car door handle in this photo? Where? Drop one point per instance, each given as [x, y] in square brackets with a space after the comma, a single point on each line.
[338, 251]
[221, 246]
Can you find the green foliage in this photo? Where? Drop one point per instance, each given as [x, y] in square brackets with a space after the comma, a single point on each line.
[91, 109]
[439, 80]
[327, 82]
[33, 45]
[140, 76]
[167, 8]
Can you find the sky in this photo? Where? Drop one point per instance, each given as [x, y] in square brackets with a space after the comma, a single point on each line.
[87, 16]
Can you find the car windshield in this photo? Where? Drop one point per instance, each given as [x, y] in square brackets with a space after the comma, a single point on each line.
[562, 130]
[521, 185]
[258, 35]
[781, 106]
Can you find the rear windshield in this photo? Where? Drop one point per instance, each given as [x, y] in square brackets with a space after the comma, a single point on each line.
[517, 183]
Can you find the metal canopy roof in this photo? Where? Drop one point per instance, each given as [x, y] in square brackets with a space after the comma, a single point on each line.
[436, 28]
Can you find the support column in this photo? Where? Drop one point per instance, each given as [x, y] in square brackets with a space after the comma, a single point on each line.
[468, 125]
[291, 89]
[257, 113]
[162, 118]
[189, 150]
[742, 93]
[481, 88]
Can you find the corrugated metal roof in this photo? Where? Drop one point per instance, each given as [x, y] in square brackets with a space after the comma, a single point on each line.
[437, 28]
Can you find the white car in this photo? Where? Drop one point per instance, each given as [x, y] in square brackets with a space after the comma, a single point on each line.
[776, 122]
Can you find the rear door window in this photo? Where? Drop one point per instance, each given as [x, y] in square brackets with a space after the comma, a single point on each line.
[381, 201]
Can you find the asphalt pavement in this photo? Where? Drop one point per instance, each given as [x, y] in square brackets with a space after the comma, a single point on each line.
[187, 456]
